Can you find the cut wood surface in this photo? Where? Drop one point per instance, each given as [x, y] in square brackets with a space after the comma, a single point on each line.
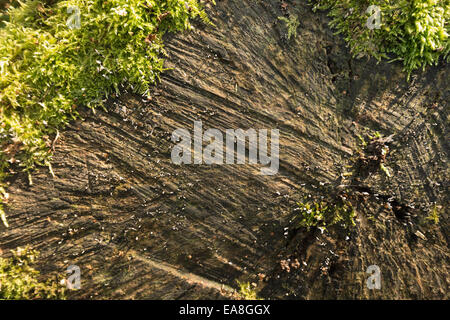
[141, 227]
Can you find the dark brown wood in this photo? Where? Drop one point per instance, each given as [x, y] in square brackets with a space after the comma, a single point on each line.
[141, 227]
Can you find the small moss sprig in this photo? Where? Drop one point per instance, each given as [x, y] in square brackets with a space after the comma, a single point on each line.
[292, 24]
[247, 291]
[434, 214]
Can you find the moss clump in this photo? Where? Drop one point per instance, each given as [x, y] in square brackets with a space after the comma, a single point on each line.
[291, 24]
[50, 64]
[19, 280]
[247, 292]
[415, 32]
[323, 214]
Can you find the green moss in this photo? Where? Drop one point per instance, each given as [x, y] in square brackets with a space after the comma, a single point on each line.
[19, 280]
[291, 24]
[415, 32]
[49, 67]
[247, 292]
[324, 214]
[434, 215]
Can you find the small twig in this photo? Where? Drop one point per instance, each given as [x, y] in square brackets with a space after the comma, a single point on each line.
[30, 181]
[54, 140]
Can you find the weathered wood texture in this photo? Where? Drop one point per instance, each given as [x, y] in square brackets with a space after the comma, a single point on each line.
[141, 227]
